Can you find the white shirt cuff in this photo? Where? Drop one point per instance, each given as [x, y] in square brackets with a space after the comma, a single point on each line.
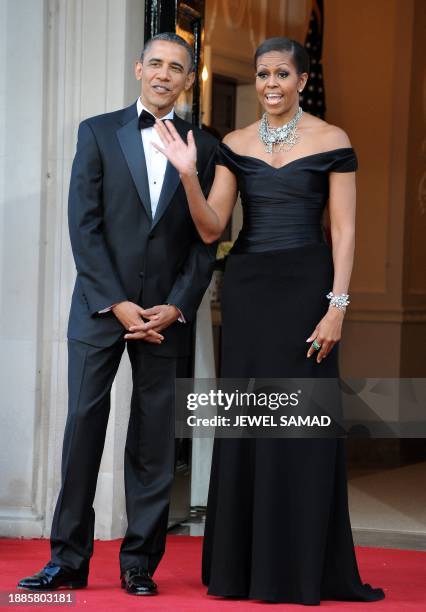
[106, 309]
[181, 318]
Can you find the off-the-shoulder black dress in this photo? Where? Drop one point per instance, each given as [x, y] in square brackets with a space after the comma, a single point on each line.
[277, 525]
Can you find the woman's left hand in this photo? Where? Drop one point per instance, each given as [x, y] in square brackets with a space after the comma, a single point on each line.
[327, 333]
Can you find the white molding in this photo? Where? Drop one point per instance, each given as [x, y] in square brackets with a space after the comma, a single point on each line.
[20, 522]
[389, 538]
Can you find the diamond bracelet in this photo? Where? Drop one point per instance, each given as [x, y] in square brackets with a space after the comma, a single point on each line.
[339, 301]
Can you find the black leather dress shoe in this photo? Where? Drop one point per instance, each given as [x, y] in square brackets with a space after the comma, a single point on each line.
[53, 577]
[137, 581]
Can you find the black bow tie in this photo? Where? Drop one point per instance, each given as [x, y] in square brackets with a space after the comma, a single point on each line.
[146, 120]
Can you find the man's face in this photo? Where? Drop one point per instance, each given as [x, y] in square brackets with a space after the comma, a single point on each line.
[164, 75]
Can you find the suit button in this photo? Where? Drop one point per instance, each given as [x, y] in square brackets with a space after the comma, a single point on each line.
[151, 236]
[141, 274]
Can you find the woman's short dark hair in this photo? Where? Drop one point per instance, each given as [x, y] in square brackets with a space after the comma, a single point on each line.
[297, 51]
[174, 38]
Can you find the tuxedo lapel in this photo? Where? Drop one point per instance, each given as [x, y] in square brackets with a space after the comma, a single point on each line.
[130, 141]
[171, 177]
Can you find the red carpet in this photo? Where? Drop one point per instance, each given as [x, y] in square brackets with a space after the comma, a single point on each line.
[402, 575]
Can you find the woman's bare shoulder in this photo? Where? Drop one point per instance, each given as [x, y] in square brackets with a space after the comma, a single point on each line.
[238, 140]
[330, 136]
[335, 137]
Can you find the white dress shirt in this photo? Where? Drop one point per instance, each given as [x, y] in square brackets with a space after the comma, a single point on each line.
[156, 162]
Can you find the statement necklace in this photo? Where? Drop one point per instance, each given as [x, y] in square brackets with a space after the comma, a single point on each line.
[282, 138]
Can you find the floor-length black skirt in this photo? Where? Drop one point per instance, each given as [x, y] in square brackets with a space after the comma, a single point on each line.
[277, 525]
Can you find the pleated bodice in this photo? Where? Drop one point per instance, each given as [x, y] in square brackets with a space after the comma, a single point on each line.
[282, 207]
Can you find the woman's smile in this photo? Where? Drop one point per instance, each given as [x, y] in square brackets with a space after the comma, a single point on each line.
[273, 99]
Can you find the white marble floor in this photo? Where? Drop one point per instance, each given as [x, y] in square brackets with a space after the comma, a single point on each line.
[388, 507]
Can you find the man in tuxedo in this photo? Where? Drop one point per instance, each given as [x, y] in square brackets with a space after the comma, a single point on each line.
[140, 264]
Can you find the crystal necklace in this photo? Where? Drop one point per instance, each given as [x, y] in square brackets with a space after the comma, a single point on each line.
[283, 138]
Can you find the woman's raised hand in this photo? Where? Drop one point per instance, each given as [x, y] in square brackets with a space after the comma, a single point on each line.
[182, 155]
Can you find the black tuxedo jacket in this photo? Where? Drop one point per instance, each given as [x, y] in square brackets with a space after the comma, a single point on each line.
[120, 251]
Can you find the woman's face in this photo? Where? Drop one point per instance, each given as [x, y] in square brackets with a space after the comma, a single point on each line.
[277, 82]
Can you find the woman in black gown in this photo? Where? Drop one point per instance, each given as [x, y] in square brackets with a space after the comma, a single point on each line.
[277, 526]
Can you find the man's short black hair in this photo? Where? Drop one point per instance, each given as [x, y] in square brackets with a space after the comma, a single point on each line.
[174, 38]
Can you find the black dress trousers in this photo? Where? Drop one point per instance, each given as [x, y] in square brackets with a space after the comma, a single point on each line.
[149, 453]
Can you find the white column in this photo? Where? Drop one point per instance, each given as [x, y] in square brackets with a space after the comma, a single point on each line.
[22, 197]
[94, 45]
[204, 367]
[63, 60]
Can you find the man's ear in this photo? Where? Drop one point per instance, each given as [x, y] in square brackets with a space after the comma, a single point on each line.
[190, 80]
[138, 70]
